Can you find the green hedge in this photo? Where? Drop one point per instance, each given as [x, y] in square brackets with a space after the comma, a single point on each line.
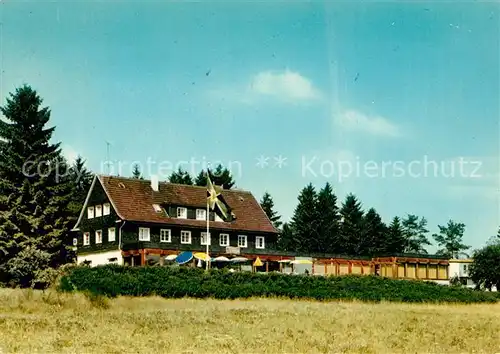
[112, 280]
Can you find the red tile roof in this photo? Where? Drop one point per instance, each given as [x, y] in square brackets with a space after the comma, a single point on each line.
[133, 200]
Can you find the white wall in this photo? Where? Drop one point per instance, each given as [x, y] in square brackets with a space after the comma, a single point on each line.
[101, 258]
[459, 269]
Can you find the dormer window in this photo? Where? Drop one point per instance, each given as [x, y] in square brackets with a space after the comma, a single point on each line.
[201, 214]
[90, 212]
[98, 211]
[182, 213]
[106, 209]
[157, 208]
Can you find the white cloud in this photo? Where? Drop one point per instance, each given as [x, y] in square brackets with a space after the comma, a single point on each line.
[375, 125]
[69, 153]
[287, 85]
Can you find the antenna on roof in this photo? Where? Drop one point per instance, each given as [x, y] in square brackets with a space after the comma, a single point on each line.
[108, 162]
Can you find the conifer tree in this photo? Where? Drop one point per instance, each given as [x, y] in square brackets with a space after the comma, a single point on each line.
[34, 193]
[267, 205]
[286, 238]
[221, 176]
[395, 242]
[415, 233]
[136, 172]
[328, 221]
[180, 177]
[351, 229]
[305, 221]
[450, 239]
[374, 234]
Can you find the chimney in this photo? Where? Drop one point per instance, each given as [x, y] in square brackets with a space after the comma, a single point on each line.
[154, 183]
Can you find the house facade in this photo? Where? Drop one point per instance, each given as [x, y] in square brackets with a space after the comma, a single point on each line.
[132, 221]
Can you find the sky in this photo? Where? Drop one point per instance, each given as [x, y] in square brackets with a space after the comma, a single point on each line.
[397, 103]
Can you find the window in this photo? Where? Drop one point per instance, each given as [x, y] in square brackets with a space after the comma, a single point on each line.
[106, 209]
[465, 267]
[185, 237]
[86, 238]
[242, 241]
[75, 241]
[204, 239]
[98, 236]
[259, 242]
[144, 234]
[201, 214]
[224, 239]
[111, 234]
[217, 217]
[165, 235]
[98, 211]
[90, 212]
[182, 213]
[157, 208]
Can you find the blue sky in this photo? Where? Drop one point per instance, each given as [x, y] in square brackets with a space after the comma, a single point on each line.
[327, 86]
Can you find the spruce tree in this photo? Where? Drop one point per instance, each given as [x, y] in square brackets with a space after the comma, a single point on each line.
[374, 234]
[305, 221]
[34, 192]
[180, 177]
[395, 241]
[328, 221]
[267, 205]
[415, 233]
[351, 229]
[450, 239]
[136, 172]
[286, 238]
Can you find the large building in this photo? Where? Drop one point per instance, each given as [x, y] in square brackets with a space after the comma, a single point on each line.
[138, 222]
[133, 221]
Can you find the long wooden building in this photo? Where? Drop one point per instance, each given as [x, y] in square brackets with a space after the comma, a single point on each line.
[138, 222]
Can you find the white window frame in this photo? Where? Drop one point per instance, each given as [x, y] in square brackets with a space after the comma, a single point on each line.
[111, 231]
[90, 212]
[257, 238]
[203, 215]
[240, 244]
[182, 213]
[98, 239]
[106, 209]
[168, 233]
[144, 234]
[86, 238]
[98, 211]
[217, 218]
[188, 234]
[203, 236]
[221, 237]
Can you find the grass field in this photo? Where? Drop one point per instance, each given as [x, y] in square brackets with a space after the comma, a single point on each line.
[54, 322]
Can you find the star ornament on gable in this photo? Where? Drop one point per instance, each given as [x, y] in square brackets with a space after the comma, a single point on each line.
[217, 203]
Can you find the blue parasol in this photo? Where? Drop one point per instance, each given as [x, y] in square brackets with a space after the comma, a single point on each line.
[184, 257]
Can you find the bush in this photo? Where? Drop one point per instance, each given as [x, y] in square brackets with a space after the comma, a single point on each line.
[114, 280]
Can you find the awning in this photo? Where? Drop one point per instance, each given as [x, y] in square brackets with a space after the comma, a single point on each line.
[239, 259]
[301, 261]
[220, 259]
[284, 261]
[184, 257]
[170, 257]
[258, 263]
[201, 256]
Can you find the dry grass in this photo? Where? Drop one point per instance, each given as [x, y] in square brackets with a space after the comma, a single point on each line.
[53, 322]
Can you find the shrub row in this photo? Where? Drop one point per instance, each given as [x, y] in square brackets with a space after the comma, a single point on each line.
[113, 280]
